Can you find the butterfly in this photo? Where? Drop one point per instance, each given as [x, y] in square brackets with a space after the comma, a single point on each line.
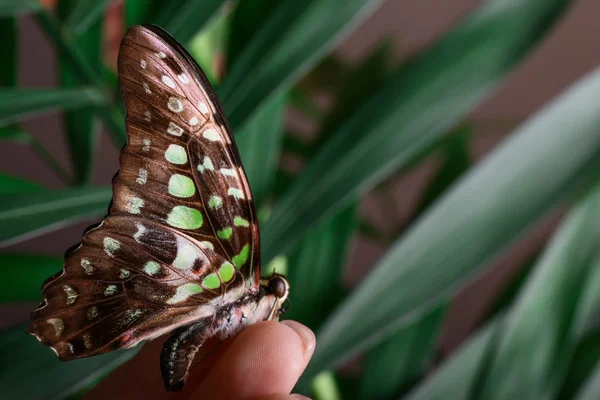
[179, 249]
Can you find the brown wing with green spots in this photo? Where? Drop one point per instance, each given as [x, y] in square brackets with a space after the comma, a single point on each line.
[181, 237]
[193, 156]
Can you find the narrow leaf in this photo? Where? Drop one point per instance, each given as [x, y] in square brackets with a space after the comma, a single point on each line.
[316, 267]
[84, 14]
[456, 378]
[208, 47]
[9, 66]
[86, 74]
[401, 360]
[27, 371]
[10, 8]
[260, 146]
[245, 21]
[183, 19]
[26, 215]
[81, 125]
[12, 184]
[25, 273]
[537, 305]
[545, 312]
[587, 329]
[411, 111]
[15, 134]
[456, 161]
[366, 78]
[507, 191]
[591, 389]
[284, 48]
[139, 12]
[16, 104]
[587, 322]
[324, 387]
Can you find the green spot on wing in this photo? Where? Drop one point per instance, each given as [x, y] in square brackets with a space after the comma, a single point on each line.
[211, 281]
[225, 233]
[215, 202]
[226, 271]
[185, 291]
[151, 267]
[185, 218]
[239, 221]
[191, 288]
[242, 257]
[176, 154]
[181, 186]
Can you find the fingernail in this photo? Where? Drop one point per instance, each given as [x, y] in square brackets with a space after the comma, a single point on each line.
[298, 397]
[306, 335]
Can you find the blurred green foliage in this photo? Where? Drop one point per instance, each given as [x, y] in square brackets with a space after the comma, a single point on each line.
[539, 340]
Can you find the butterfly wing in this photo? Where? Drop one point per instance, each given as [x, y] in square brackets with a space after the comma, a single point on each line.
[181, 238]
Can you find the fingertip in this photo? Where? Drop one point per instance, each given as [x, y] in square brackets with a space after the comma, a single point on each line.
[264, 359]
[286, 397]
[306, 335]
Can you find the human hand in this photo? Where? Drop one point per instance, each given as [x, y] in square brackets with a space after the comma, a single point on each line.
[263, 362]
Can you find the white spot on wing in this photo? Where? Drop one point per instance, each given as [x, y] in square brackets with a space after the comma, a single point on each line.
[174, 129]
[235, 192]
[212, 135]
[168, 81]
[131, 315]
[134, 205]
[146, 88]
[206, 165]
[92, 312]
[187, 254]
[71, 294]
[87, 341]
[87, 266]
[141, 229]
[183, 292]
[148, 116]
[228, 172]
[203, 108]
[111, 246]
[194, 121]
[142, 176]
[175, 104]
[207, 245]
[110, 290]
[146, 144]
[57, 324]
[143, 64]
[160, 54]
[183, 78]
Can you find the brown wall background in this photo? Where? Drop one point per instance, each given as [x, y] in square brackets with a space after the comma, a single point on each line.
[565, 55]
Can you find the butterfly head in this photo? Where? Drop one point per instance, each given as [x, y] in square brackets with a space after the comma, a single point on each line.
[278, 287]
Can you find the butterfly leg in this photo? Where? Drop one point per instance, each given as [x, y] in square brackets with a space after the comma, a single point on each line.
[179, 351]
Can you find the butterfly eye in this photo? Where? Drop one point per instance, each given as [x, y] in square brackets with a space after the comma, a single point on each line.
[278, 286]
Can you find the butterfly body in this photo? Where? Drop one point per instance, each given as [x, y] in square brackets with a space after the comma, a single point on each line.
[179, 249]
